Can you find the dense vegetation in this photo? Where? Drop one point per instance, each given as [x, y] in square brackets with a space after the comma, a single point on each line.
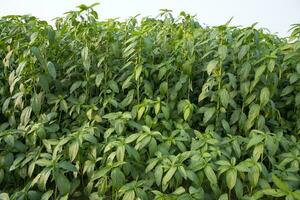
[162, 109]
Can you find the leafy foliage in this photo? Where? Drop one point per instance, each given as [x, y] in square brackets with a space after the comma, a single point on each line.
[161, 109]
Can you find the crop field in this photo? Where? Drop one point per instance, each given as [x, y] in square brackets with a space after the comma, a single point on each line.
[163, 108]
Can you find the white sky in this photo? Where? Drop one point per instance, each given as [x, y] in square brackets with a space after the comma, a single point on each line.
[275, 15]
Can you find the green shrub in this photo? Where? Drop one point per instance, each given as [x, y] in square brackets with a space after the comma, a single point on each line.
[159, 109]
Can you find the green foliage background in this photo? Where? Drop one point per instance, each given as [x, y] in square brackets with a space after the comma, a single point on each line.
[161, 109]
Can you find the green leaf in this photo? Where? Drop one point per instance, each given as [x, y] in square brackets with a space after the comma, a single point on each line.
[223, 163]
[25, 115]
[43, 162]
[151, 165]
[280, 184]
[187, 66]
[210, 174]
[294, 78]
[158, 174]
[118, 178]
[51, 70]
[73, 150]
[85, 58]
[243, 166]
[67, 166]
[271, 65]
[244, 50]
[63, 105]
[36, 52]
[62, 183]
[47, 195]
[112, 116]
[127, 83]
[222, 51]
[114, 86]
[44, 178]
[253, 112]
[211, 66]
[130, 195]
[5, 104]
[272, 192]
[259, 71]
[287, 90]
[100, 173]
[235, 116]
[264, 96]
[208, 114]
[182, 171]
[223, 197]
[4, 196]
[99, 79]
[120, 153]
[75, 86]
[239, 189]
[36, 101]
[225, 125]
[224, 97]
[253, 175]
[296, 195]
[249, 99]
[258, 151]
[163, 88]
[245, 88]
[141, 112]
[157, 108]
[245, 71]
[179, 191]
[65, 197]
[119, 126]
[169, 175]
[128, 99]
[231, 178]
[44, 82]
[255, 140]
[186, 113]
[138, 72]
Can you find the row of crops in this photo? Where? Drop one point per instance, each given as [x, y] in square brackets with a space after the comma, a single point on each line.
[159, 109]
